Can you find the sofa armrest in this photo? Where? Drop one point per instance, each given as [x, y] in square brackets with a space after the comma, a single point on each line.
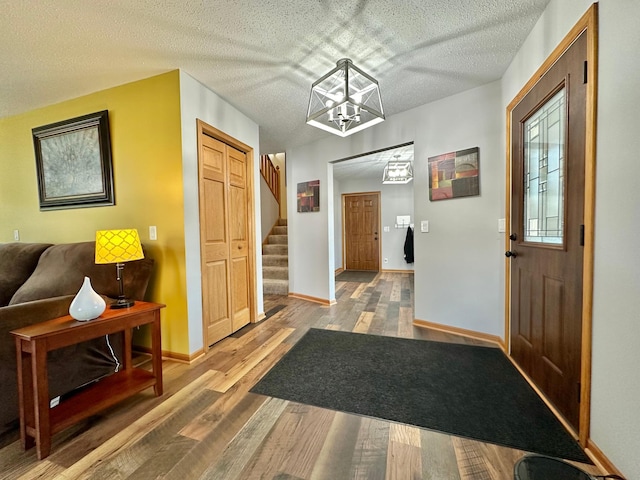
[21, 315]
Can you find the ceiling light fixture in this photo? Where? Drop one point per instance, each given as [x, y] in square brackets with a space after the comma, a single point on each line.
[397, 172]
[345, 100]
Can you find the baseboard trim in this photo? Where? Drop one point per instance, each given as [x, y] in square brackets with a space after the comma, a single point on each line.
[321, 301]
[600, 459]
[384, 270]
[339, 270]
[460, 331]
[178, 357]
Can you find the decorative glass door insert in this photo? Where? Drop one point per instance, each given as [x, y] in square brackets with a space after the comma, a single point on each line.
[544, 180]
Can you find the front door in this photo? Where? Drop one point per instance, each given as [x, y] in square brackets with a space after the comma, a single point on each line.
[547, 238]
[361, 228]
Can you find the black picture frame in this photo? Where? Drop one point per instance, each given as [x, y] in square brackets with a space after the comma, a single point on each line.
[73, 162]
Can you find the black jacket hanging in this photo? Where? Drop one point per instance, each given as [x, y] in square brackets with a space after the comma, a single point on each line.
[408, 246]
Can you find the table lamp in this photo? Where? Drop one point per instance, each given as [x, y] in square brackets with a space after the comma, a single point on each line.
[118, 246]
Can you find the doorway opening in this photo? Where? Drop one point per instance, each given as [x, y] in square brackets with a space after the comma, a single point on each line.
[367, 234]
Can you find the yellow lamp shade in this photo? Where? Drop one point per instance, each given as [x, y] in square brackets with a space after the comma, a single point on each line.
[118, 246]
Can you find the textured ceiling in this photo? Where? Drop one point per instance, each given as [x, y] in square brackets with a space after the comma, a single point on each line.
[260, 56]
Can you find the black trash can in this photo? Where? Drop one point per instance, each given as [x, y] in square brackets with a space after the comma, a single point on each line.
[540, 467]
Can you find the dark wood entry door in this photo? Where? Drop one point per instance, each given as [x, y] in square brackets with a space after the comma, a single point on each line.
[361, 231]
[546, 255]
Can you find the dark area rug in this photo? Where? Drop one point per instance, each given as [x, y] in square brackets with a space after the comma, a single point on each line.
[356, 276]
[463, 390]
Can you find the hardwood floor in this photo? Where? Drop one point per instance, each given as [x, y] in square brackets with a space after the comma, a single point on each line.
[208, 426]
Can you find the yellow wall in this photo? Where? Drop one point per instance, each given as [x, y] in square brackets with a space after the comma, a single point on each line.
[146, 147]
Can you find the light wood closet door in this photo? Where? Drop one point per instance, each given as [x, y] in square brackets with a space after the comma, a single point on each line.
[224, 239]
[239, 230]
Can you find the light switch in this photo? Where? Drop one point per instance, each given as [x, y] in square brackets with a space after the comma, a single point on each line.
[153, 233]
[387, 229]
[424, 226]
[502, 225]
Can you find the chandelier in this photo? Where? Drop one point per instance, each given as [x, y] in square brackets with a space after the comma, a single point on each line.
[397, 172]
[345, 100]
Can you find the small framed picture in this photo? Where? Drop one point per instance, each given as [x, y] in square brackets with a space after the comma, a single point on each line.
[309, 196]
[454, 175]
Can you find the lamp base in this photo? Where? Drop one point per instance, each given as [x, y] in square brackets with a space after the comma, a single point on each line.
[122, 303]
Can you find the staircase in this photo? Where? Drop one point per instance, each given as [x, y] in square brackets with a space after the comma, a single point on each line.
[275, 261]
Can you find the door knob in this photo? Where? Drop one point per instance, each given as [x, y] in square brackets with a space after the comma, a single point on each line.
[509, 253]
[513, 236]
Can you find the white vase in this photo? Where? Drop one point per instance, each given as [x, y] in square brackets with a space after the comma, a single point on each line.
[87, 304]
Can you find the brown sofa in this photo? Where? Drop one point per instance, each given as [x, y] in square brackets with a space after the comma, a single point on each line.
[38, 283]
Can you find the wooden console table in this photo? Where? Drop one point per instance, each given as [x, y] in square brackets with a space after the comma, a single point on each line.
[38, 422]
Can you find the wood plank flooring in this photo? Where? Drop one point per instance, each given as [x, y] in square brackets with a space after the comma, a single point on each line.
[208, 426]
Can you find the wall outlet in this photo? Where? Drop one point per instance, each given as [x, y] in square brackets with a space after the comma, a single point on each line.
[16, 235]
[153, 233]
[424, 226]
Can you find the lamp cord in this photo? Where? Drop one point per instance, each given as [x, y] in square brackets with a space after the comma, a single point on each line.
[115, 359]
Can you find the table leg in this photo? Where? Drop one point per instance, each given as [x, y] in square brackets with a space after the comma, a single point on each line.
[25, 394]
[41, 391]
[127, 349]
[156, 347]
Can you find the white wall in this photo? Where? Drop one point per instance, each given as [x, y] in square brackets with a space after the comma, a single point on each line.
[198, 102]
[460, 262]
[394, 200]
[615, 401]
[337, 223]
[311, 250]
[463, 248]
[269, 208]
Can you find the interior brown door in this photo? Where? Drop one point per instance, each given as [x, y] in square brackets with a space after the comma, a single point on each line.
[547, 238]
[361, 231]
[224, 238]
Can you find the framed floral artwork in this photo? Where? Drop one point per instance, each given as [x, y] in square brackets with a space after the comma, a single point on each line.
[73, 162]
